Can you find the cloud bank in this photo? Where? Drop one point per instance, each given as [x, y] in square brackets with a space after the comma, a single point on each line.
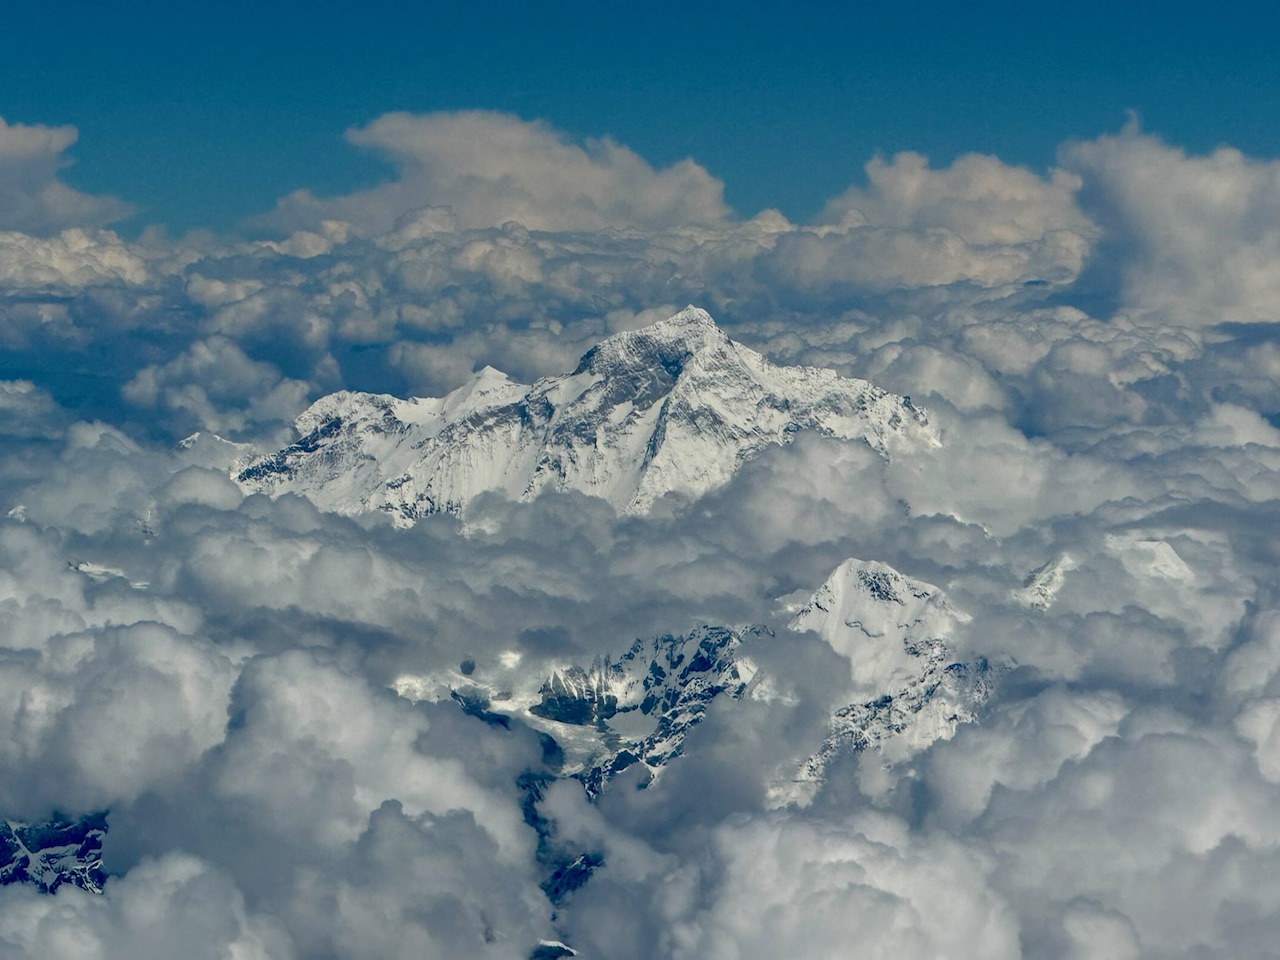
[32, 198]
[1095, 345]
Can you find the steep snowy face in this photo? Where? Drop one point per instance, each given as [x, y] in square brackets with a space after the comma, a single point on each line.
[882, 622]
[674, 408]
[907, 690]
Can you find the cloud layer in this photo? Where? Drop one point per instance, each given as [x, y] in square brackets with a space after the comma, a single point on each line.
[1093, 343]
[32, 198]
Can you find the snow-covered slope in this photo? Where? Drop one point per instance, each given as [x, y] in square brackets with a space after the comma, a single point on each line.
[210, 450]
[674, 408]
[907, 690]
[615, 713]
[1040, 589]
[51, 854]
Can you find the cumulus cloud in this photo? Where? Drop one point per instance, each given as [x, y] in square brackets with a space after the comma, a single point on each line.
[215, 386]
[26, 410]
[153, 913]
[979, 221]
[488, 168]
[1194, 237]
[73, 258]
[216, 670]
[805, 889]
[32, 198]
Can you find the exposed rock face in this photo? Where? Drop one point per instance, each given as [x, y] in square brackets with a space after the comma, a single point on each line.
[54, 853]
[636, 709]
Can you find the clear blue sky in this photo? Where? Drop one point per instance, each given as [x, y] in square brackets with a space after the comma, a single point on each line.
[203, 113]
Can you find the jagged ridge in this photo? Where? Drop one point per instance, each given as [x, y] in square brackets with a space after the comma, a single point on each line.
[674, 408]
[53, 853]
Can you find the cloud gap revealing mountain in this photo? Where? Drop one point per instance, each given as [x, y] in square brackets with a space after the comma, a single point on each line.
[668, 412]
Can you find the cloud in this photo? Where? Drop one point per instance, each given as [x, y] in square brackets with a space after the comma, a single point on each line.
[215, 386]
[978, 198]
[978, 222]
[27, 411]
[73, 258]
[1193, 238]
[216, 669]
[176, 905]
[32, 198]
[788, 887]
[488, 168]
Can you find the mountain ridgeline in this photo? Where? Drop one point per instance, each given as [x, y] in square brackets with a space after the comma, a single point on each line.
[673, 409]
[669, 411]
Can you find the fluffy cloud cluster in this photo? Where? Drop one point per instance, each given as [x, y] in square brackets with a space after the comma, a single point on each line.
[32, 198]
[1198, 235]
[216, 670]
[492, 168]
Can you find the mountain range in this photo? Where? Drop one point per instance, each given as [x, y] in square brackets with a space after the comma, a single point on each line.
[662, 414]
[672, 410]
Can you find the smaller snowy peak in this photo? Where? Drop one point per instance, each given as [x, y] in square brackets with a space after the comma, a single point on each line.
[907, 689]
[1041, 588]
[213, 452]
[1150, 558]
[878, 619]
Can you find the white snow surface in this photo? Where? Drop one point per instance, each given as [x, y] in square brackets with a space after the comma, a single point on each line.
[674, 408]
[880, 621]
[907, 689]
[1041, 588]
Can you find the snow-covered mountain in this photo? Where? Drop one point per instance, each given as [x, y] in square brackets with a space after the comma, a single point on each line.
[54, 853]
[1040, 589]
[613, 714]
[907, 690]
[674, 408]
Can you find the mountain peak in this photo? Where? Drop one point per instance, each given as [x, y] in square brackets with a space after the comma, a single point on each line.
[673, 408]
[906, 688]
[665, 345]
[689, 317]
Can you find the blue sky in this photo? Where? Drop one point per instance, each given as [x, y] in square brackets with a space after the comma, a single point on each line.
[201, 114]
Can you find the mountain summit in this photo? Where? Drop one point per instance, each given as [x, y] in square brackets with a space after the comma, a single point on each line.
[674, 408]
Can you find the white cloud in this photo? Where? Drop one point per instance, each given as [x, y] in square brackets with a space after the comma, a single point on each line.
[174, 906]
[797, 889]
[215, 386]
[72, 258]
[488, 168]
[32, 198]
[1195, 238]
[978, 198]
[27, 411]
